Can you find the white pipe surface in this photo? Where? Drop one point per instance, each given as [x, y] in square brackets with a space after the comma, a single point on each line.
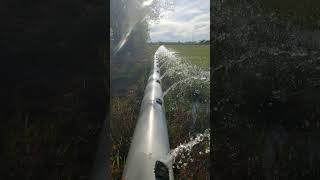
[150, 141]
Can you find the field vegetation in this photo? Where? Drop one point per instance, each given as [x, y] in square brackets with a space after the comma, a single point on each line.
[197, 54]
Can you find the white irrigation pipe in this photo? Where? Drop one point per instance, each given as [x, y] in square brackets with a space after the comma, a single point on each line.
[150, 141]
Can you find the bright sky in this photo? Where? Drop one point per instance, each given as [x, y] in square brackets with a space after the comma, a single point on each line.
[190, 20]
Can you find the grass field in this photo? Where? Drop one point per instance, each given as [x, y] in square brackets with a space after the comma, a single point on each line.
[199, 55]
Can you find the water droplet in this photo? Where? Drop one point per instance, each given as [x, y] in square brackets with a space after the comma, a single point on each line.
[184, 164]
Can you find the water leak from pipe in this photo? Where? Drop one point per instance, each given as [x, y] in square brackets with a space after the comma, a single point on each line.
[176, 83]
[188, 76]
[184, 150]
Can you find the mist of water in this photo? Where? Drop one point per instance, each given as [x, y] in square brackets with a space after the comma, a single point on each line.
[185, 77]
[163, 75]
[177, 83]
[147, 3]
[179, 69]
[162, 65]
[135, 17]
[195, 107]
[188, 76]
[184, 150]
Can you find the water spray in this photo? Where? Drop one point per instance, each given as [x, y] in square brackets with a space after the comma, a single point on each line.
[126, 36]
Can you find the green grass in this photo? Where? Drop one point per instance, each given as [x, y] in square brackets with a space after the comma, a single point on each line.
[198, 55]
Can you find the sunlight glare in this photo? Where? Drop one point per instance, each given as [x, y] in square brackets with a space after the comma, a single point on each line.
[147, 3]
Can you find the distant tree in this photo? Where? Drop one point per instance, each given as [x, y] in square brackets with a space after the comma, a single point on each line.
[128, 17]
[204, 42]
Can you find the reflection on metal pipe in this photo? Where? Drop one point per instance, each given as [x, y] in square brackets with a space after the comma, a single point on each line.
[150, 141]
